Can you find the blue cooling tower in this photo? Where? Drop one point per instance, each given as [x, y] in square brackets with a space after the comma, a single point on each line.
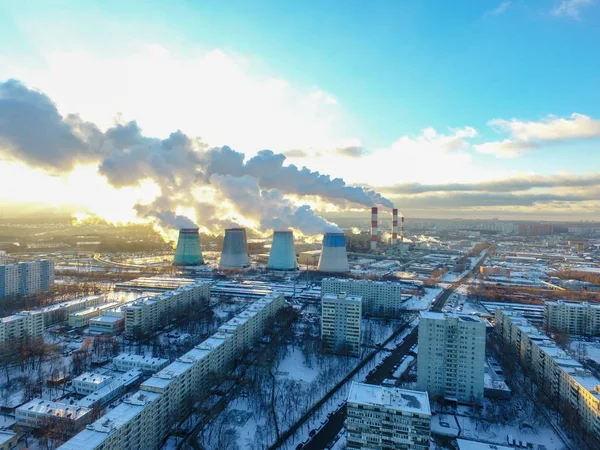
[283, 254]
[188, 251]
[333, 254]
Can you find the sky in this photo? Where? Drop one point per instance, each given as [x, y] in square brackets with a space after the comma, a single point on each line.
[470, 108]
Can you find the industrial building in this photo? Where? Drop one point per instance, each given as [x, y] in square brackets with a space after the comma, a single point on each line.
[387, 418]
[581, 319]
[39, 412]
[572, 388]
[145, 418]
[188, 251]
[148, 314]
[451, 357]
[19, 328]
[126, 361]
[494, 271]
[26, 278]
[309, 258]
[283, 254]
[154, 284]
[235, 249]
[379, 298]
[333, 254]
[340, 323]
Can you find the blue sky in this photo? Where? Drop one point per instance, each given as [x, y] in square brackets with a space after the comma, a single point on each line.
[387, 70]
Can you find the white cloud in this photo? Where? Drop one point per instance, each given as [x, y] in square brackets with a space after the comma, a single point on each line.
[500, 9]
[571, 8]
[506, 148]
[577, 126]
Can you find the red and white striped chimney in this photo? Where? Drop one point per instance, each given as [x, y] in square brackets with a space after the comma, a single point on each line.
[394, 226]
[374, 235]
[402, 229]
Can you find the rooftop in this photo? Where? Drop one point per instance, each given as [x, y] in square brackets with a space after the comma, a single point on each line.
[390, 398]
[55, 409]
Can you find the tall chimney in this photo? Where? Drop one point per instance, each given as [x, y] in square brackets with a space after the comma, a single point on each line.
[394, 226]
[402, 229]
[374, 235]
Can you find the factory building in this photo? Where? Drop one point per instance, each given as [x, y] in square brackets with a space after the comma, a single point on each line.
[581, 319]
[145, 418]
[451, 357]
[20, 328]
[26, 278]
[39, 412]
[309, 258]
[333, 254]
[188, 251]
[387, 418]
[379, 298]
[340, 324]
[126, 361]
[283, 254]
[148, 314]
[235, 249]
[560, 377]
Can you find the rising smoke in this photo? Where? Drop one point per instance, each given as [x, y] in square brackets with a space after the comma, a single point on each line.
[179, 165]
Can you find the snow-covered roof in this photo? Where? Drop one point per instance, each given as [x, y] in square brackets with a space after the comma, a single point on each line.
[56, 409]
[91, 377]
[390, 398]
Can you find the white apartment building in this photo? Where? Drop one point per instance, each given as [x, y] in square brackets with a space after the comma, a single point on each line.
[82, 319]
[59, 312]
[126, 361]
[144, 419]
[561, 377]
[379, 298]
[340, 323]
[88, 382]
[387, 418]
[111, 389]
[18, 328]
[26, 278]
[575, 318]
[38, 412]
[148, 314]
[451, 357]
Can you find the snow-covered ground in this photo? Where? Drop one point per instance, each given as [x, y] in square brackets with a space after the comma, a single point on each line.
[424, 302]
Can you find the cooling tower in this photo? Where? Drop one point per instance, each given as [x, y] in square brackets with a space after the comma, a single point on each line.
[333, 254]
[188, 252]
[235, 249]
[283, 254]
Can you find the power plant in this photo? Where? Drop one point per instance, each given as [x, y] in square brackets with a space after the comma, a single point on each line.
[188, 251]
[333, 254]
[394, 240]
[283, 253]
[235, 249]
[374, 232]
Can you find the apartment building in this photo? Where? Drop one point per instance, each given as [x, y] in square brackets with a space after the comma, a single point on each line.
[387, 418]
[144, 419]
[39, 412]
[575, 318]
[148, 314]
[340, 323]
[379, 298]
[110, 390]
[451, 357]
[82, 319]
[21, 327]
[126, 361]
[26, 278]
[59, 312]
[562, 378]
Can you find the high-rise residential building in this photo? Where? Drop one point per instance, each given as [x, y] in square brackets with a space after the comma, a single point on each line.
[450, 361]
[379, 298]
[340, 323]
[571, 387]
[26, 278]
[20, 328]
[144, 419]
[575, 318]
[387, 418]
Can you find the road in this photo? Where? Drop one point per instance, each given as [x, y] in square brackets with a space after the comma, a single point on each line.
[335, 423]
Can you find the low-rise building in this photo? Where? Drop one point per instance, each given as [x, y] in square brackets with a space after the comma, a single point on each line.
[115, 386]
[494, 271]
[8, 440]
[82, 319]
[88, 382]
[39, 412]
[387, 418]
[582, 318]
[379, 298]
[126, 361]
[341, 315]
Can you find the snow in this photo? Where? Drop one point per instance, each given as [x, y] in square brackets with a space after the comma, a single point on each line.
[406, 362]
[294, 367]
[390, 398]
[422, 303]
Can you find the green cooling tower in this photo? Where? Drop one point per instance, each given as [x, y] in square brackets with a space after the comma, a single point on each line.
[188, 252]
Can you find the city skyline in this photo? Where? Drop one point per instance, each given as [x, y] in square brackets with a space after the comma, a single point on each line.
[469, 110]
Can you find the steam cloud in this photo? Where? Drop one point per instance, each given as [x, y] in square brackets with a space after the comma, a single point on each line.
[33, 131]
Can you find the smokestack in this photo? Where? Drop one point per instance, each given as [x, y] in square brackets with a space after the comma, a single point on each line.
[394, 226]
[402, 229]
[374, 235]
[283, 254]
[333, 254]
[188, 251]
[235, 249]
